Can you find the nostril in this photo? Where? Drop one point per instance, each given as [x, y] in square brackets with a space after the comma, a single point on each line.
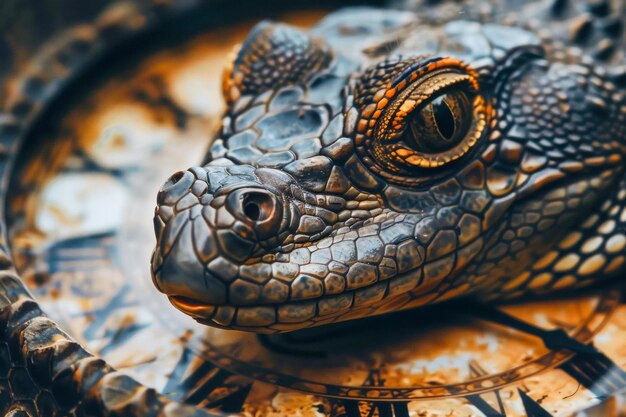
[175, 187]
[174, 179]
[258, 206]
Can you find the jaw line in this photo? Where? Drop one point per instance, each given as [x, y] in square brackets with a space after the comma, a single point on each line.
[191, 307]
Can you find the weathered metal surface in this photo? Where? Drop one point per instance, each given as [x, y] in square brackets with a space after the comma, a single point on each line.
[85, 257]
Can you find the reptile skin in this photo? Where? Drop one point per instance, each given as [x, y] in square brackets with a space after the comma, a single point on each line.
[389, 159]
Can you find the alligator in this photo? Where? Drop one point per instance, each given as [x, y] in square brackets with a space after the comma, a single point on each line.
[391, 159]
[385, 159]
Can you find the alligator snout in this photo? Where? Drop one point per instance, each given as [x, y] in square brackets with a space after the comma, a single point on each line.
[258, 208]
[211, 220]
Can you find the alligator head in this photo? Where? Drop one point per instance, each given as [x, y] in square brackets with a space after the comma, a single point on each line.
[379, 162]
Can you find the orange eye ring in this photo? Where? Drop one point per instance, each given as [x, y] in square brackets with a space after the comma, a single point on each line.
[415, 102]
[398, 154]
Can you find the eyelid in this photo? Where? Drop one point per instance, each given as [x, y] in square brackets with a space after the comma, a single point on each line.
[412, 70]
[433, 65]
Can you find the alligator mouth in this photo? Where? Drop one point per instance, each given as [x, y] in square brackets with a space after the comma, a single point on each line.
[264, 318]
[300, 313]
[194, 308]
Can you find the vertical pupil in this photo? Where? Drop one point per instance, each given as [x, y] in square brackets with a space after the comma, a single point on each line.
[443, 117]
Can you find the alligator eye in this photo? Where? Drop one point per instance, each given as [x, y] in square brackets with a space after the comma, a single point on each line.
[434, 123]
[440, 124]
[429, 113]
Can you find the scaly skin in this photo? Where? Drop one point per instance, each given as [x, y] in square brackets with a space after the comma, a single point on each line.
[319, 204]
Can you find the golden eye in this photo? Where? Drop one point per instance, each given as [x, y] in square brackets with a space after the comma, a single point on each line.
[423, 114]
[440, 124]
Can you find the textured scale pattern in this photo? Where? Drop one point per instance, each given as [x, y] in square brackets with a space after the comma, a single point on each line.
[377, 228]
[305, 213]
